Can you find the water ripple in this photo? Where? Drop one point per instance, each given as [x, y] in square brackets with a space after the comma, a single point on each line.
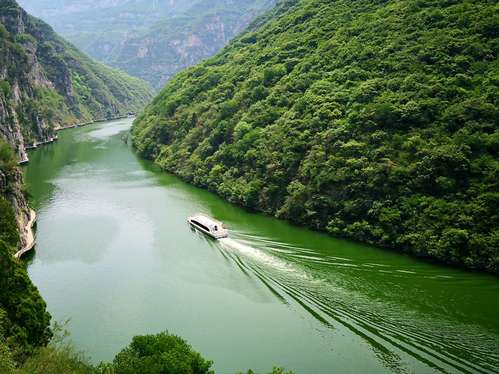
[392, 331]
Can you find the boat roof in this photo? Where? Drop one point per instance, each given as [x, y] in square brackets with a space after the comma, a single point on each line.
[206, 220]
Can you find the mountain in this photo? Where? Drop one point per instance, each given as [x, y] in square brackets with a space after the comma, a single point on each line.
[100, 27]
[45, 82]
[182, 41]
[371, 120]
[151, 40]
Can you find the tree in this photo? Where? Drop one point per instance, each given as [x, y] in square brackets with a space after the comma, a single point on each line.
[7, 157]
[159, 354]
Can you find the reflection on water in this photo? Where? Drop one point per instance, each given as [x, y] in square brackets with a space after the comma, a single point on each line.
[115, 255]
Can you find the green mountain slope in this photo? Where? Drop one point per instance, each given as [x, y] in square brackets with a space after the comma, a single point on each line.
[372, 120]
[45, 82]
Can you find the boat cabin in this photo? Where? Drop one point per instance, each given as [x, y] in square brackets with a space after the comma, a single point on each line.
[208, 226]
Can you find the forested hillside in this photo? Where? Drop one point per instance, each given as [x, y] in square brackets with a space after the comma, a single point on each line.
[45, 82]
[151, 40]
[24, 321]
[372, 120]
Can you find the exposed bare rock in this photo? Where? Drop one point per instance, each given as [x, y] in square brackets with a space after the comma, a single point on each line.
[155, 40]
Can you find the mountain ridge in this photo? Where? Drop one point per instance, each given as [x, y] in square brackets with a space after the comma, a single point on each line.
[151, 45]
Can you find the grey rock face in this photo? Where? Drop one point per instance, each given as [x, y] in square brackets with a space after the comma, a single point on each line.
[152, 40]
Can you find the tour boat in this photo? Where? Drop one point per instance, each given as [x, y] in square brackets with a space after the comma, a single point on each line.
[208, 226]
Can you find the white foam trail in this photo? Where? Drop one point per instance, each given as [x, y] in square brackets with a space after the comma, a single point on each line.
[258, 255]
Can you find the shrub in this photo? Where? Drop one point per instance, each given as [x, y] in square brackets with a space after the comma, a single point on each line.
[162, 354]
[8, 159]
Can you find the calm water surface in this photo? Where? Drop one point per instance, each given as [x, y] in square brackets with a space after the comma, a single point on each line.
[116, 256]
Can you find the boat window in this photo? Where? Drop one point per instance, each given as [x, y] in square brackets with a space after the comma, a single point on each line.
[200, 225]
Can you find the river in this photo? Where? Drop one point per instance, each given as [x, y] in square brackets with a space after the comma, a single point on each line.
[115, 256]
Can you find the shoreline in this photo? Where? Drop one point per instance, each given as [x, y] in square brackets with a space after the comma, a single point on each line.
[60, 128]
[35, 145]
[30, 235]
[28, 228]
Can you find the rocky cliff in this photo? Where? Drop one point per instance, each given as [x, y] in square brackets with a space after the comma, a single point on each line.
[45, 82]
[177, 43]
[23, 315]
[11, 190]
[152, 40]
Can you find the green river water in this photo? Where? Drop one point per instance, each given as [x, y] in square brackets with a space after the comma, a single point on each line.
[115, 255]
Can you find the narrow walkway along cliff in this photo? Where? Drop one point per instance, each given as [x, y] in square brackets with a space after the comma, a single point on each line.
[29, 236]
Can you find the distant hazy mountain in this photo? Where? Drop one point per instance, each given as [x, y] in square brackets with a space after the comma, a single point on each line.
[45, 82]
[150, 39]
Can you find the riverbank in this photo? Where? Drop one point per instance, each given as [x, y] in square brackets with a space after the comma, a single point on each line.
[29, 235]
[54, 138]
[27, 230]
[60, 128]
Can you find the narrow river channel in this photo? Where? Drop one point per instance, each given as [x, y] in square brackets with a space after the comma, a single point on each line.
[116, 257]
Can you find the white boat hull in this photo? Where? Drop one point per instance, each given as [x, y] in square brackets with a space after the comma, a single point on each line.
[219, 234]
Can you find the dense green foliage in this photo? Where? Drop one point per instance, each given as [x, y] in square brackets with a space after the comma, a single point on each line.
[24, 321]
[159, 354]
[166, 354]
[55, 83]
[152, 354]
[162, 353]
[56, 360]
[8, 158]
[8, 227]
[372, 120]
[149, 40]
[58, 357]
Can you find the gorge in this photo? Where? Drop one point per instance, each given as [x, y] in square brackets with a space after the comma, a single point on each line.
[371, 120]
[349, 146]
[152, 40]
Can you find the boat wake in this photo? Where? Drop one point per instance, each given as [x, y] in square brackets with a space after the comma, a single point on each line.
[399, 335]
[257, 255]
